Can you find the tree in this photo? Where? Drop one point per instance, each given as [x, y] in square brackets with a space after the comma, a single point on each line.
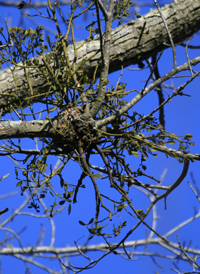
[89, 121]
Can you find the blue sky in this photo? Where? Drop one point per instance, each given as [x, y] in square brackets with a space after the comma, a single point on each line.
[182, 117]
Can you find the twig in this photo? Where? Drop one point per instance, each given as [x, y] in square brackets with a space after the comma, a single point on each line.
[198, 198]
[103, 9]
[100, 30]
[170, 38]
[3, 211]
[189, 258]
[188, 56]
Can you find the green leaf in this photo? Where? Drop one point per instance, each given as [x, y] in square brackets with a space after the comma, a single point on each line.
[48, 39]
[181, 147]
[139, 211]
[171, 142]
[16, 172]
[70, 194]
[31, 31]
[188, 137]
[62, 202]
[92, 230]
[96, 176]
[44, 167]
[124, 223]
[24, 173]
[19, 183]
[81, 223]
[135, 153]
[192, 144]
[144, 167]
[61, 182]
[69, 209]
[90, 237]
[120, 207]
[91, 221]
[99, 228]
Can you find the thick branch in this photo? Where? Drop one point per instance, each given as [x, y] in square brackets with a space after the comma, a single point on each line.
[131, 43]
[69, 250]
[27, 129]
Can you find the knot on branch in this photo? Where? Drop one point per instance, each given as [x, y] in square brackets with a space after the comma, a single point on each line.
[72, 126]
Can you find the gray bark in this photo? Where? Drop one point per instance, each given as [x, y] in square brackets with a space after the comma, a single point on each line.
[30, 129]
[131, 43]
[65, 129]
